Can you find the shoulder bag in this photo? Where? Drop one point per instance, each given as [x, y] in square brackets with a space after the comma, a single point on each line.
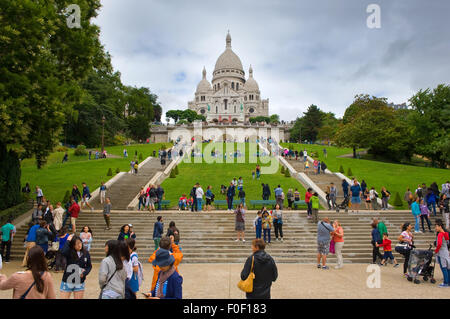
[247, 284]
[28, 290]
[101, 290]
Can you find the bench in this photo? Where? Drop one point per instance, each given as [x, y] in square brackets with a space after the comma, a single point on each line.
[164, 203]
[263, 202]
[220, 202]
[298, 203]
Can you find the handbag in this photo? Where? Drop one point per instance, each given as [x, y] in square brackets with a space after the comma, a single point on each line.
[101, 290]
[247, 284]
[402, 248]
[332, 249]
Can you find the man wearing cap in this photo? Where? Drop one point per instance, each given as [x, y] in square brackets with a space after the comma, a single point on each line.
[169, 282]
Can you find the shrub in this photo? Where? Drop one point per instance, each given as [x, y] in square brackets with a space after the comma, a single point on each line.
[109, 172]
[61, 148]
[341, 169]
[66, 198]
[349, 172]
[282, 169]
[172, 174]
[176, 170]
[287, 173]
[119, 139]
[117, 170]
[140, 157]
[15, 211]
[81, 150]
[398, 200]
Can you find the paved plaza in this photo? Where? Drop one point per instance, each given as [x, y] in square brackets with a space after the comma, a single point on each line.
[295, 281]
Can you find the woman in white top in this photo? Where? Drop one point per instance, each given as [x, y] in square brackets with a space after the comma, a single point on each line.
[406, 237]
[58, 216]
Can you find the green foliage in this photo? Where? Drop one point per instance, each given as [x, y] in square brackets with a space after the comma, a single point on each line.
[282, 169]
[176, 170]
[140, 157]
[315, 124]
[81, 150]
[10, 189]
[172, 174]
[398, 200]
[287, 173]
[66, 198]
[274, 118]
[117, 170]
[341, 169]
[259, 119]
[429, 123]
[370, 123]
[119, 139]
[15, 211]
[109, 172]
[349, 172]
[61, 148]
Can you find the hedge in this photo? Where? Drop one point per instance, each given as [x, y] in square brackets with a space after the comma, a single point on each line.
[15, 211]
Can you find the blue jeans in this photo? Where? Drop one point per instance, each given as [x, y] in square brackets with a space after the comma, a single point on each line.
[67, 217]
[416, 224]
[432, 204]
[141, 203]
[199, 203]
[230, 202]
[266, 232]
[445, 272]
[159, 203]
[258, 232]
[242, 201]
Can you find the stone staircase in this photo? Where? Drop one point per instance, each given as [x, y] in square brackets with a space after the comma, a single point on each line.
[209, 237]
[321, 180]
[128, 186]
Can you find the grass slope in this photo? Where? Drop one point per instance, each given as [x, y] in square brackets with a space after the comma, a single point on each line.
[56, 178]
[395, 177]
[217, 174]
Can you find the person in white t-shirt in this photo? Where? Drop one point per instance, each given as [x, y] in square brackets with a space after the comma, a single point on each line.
[199, 195]
[373, 195]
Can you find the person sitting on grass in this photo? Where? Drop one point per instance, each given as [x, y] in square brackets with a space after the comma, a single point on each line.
[182, 202]
[387, 247]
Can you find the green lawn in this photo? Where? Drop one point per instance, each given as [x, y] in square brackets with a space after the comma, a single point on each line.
[395, 177]
[217, 174]
[56, 178]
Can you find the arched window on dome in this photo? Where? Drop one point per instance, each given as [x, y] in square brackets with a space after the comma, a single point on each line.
[237, 86]
[232, 85]
[225, 102]
[217, 109]
[235, 108]
[218, 86]
[202, 98]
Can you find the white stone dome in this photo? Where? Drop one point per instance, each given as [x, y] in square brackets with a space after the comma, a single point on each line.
[228, 59]
[251, 85]
[203, 86]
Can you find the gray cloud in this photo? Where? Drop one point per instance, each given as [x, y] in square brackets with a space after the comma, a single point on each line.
[302, 52]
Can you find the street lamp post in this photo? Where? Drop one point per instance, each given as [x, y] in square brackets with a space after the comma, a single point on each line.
[103, 133]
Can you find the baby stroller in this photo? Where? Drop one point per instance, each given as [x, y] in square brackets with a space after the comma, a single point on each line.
[420, 265]
[343, 205]
[51, 259]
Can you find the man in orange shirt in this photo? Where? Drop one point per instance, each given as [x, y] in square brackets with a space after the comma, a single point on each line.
[166, 243]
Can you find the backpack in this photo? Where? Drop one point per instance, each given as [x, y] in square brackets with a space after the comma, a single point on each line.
[140, 275]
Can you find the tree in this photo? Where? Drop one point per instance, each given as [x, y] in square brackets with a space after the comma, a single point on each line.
[346, 134]
[174, 114]
[429, 121]
[42, 62]
[309, 126]
[274, 118]
[259, 119]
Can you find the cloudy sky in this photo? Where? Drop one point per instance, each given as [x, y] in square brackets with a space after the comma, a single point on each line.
[302, 52]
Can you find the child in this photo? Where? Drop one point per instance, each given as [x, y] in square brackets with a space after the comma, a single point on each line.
[189, 203]
[267, 225]
[257, 225]
[306, 166]
[223, 189]
[387, 250]
[240, 183]
[182, 202]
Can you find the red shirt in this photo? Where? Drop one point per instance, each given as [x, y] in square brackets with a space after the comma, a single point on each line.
[386, 245]
[74, 210]
[308, 195]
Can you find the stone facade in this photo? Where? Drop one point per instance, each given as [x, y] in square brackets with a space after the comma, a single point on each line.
[230, 97]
